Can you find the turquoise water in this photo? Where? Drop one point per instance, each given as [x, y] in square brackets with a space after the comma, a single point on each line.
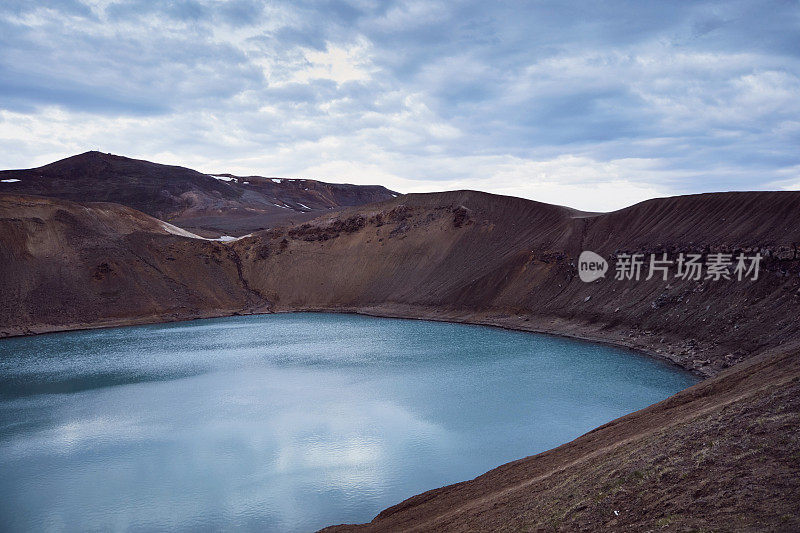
[286, 422]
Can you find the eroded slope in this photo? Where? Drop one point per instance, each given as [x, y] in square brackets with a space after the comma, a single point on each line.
[512, 262]
[68, 265]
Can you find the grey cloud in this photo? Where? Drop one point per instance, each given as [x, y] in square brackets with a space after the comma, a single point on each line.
[22, 92]
[701, 87]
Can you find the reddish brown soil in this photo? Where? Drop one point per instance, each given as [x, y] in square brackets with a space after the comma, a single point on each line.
[67, 265]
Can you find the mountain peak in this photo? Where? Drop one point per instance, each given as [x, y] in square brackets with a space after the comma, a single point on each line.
[214, 204]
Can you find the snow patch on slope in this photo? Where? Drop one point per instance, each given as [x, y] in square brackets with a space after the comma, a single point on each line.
[175, 230]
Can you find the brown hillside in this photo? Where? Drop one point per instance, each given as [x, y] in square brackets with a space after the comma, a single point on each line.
[68, 265]
[475, 256]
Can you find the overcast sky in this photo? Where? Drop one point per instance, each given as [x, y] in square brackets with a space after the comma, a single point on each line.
[594, 105]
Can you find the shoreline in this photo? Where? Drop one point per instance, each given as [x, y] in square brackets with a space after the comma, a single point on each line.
[621, 452]
[490, 318]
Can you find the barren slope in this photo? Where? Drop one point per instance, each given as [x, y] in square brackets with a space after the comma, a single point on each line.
[67, 265]
[478, 257]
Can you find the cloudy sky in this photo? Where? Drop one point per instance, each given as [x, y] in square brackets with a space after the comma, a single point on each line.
[595, 105]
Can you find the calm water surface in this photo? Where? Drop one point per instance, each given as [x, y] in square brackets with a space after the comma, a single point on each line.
[286, 422]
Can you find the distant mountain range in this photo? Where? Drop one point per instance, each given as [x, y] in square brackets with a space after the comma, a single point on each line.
[207, 204]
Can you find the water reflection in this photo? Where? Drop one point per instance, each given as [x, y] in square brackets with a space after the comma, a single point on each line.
[285, 423]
